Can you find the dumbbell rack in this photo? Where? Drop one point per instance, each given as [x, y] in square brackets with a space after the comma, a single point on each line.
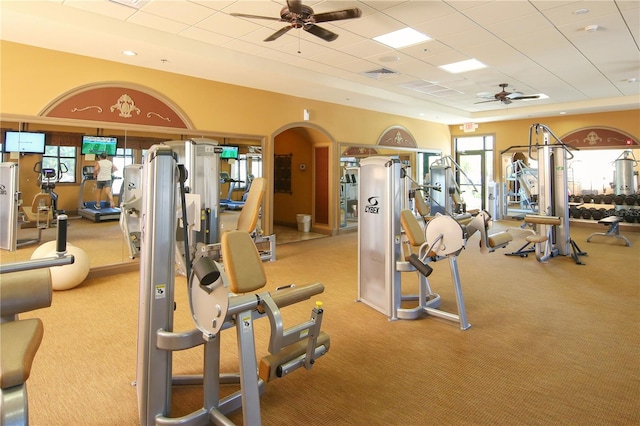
[596, 207]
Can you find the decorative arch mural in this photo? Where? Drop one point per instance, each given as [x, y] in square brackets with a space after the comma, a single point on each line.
[599, 137]
[397, 137]
[118, 103]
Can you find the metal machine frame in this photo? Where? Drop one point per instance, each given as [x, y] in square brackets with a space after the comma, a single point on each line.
[383, 193]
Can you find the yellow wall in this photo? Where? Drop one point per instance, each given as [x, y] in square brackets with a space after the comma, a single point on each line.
[31, 78]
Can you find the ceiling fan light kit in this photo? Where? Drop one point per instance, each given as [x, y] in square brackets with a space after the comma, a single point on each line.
[298, 15]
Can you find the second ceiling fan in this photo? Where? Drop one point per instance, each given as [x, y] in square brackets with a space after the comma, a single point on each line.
[298, 15]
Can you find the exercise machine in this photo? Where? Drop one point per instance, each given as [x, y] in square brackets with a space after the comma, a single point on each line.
[213, 308]
[552, 237]
[130, 208]
[12, 213]
[229, 203]
[24, 286]
[445, 195]
[87, 209]
[383, 195]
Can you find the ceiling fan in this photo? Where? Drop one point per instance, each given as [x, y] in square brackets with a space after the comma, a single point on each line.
[504, 96]
[297, 15]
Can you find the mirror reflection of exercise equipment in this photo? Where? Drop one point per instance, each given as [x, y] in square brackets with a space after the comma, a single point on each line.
[14, 215]
[131, 208]
[551, 223]
[87, 209]
[349, 195]
[213, 309]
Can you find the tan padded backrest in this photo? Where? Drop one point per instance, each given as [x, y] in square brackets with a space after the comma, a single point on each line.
[412, 228]
[25, 291]
[45, 198]
[248, 217]
[242, 262]
[421, 204]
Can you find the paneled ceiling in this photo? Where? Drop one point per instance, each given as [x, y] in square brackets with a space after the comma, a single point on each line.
[583, 56]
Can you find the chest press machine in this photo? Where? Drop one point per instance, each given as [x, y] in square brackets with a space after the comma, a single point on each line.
[382, 258]
[219, 300]
[552, 237]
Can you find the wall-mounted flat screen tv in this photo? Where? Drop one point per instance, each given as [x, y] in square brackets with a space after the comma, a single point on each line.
[24, 142]
[99, 144]
[229, 152]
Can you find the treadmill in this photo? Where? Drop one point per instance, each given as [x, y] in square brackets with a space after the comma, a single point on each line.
[228, 203]
[88, 209]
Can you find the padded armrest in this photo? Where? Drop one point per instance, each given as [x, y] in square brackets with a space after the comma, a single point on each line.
[292, 295]
[19, 341]
[543, 220]
[500, 238]
[25, 291]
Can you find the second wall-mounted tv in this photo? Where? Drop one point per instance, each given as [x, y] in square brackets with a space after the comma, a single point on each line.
[99, 144]
[24, 142]
[229, 152]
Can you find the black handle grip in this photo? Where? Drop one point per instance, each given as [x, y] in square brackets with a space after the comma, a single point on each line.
[423, 268]
[61, 239]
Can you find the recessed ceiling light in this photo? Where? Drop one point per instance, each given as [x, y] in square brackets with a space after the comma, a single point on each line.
[129, 53]
[591, 28]
[463, 66]
[563, 112]
[631, 80]
[402, 38]
[580, 11]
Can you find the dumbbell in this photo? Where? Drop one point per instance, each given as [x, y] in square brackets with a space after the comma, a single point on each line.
[630, 200]
[585, 213]
[575, 212]
[597, 199]
[596, 214]
[619, 199]
[607, 199]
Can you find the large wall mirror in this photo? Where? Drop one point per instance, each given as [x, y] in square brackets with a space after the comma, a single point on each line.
[69, 188]
[417, 161]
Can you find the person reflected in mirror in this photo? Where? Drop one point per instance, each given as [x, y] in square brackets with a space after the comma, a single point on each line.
[102, 172]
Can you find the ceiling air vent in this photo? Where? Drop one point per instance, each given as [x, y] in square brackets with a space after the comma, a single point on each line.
[380, 73]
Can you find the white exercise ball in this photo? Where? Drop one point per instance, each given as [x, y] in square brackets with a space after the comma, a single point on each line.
[65, 277]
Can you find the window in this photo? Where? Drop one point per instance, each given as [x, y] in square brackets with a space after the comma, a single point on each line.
[123, 157]
[239, 171]
[63, 160]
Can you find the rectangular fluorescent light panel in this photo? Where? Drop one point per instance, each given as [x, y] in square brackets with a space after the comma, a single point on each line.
[402, 38]
[463, 66]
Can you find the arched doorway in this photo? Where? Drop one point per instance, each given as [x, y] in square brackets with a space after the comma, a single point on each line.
[301, 176]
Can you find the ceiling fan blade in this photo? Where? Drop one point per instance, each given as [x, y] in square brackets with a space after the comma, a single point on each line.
[483, 102]
[295, 6]
[323, 33]
[519, 98]
[244, 15]
[514, 95]
[278, 33]
[338, 15]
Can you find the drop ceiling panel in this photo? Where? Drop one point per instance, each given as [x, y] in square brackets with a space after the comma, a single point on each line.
[186, 12]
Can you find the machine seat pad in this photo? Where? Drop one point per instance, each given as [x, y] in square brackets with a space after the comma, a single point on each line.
[536, 238]
[269, 364]
[19, 342]
[500, 238]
